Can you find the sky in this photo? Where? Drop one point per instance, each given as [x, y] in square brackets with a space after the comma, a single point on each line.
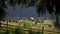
[21, 12]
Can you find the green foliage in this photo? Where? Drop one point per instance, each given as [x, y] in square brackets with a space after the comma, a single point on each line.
[27, 23]
[2, 31]
[2, 13]
[31, 31]
[9, 31]
[19, 30]
[57, 23]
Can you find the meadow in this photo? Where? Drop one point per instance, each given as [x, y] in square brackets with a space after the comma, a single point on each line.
[29, 27]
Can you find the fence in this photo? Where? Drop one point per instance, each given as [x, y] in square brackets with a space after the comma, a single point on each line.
[2, 26]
